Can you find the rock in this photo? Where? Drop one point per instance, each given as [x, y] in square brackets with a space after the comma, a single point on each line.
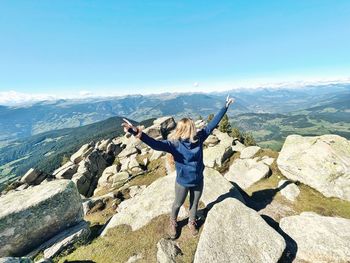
[103, 145]
[322, 162]
[134, 258]
[156, 155]
[246, 172]
[66, 171]
[212, 140]
[216, 155]
[200, 124]
[155, 200]
[15, 260]
[134, 165]
[89, 172]
[129, 150]
[82, 182]
[120, 178]
[113, 149]
[22, 187]
[238, 147]
[58, 243]
[267, 160]
[124, 164]
[290, 191]
[44, 260]
[30, 176]
[249, 152]
[30, 217]
[136, 190]
[167, 250]
[84, 151]
[217, 187]
[107, 176]
[235, 233]
[319, 238]
[166, 123]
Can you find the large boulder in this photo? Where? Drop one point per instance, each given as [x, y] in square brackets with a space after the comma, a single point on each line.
[235, 233]
[246, 172]
[319, 238]
[322, 162]
[32, 216]
[155, 200]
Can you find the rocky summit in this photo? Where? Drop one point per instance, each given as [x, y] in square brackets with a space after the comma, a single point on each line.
[110, 202]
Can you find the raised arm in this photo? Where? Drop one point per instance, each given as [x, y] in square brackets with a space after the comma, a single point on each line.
[159, 145]
[206, 131]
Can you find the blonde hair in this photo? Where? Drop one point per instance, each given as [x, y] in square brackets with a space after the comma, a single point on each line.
[185, 129]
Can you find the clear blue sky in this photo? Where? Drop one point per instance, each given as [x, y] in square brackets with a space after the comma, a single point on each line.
[142, 46]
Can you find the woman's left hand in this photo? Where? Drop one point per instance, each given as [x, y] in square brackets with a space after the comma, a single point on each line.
[229, 101]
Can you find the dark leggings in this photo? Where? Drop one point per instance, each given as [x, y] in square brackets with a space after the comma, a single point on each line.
[180, 196]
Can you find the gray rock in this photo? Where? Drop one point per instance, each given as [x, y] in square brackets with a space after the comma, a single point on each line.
[136, 190]
[30, 176]
[107, 176]
[15, 260]
[134, 258]
[249, 152]
[322, 162]
[155, 200]
[103, 145]
[212, 140]
[217, 187]
[120, 178]
[216, 155]
[66, 171]
[267, 160]
[235, 233]
[84, 151]
[246, 172]
[129, 150]
[319, 238]
[156, 155]
[167, 250]
[291, 191]
[32, 216]
[66, 238]
[238, 147]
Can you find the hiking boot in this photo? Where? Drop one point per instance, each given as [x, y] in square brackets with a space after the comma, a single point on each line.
[192, 225]
[172, 228]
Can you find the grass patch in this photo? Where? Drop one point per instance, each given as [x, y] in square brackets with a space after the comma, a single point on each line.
[121, 243]
[156, 170]
[309, 199]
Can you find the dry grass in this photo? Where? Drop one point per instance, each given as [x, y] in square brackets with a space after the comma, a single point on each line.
[121, 243]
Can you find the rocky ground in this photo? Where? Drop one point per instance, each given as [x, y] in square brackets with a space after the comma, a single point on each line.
[110, 203]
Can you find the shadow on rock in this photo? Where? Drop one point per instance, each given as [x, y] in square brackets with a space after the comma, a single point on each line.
[260, 199]
[291, 249]
[79, 261]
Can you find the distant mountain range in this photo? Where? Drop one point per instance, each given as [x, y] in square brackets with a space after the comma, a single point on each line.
[21, 122]
[39, 135]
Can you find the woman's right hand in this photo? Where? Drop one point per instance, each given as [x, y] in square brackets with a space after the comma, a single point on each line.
[127, 124]
[229, 101]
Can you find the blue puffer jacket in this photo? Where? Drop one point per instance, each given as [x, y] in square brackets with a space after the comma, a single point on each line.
[188, 156]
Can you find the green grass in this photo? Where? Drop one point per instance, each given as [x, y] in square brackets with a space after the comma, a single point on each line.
[121, 243]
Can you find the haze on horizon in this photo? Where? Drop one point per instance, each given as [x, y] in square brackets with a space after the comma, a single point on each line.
[82, 48]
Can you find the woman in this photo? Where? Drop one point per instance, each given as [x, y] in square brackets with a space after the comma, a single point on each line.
[186, 146]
